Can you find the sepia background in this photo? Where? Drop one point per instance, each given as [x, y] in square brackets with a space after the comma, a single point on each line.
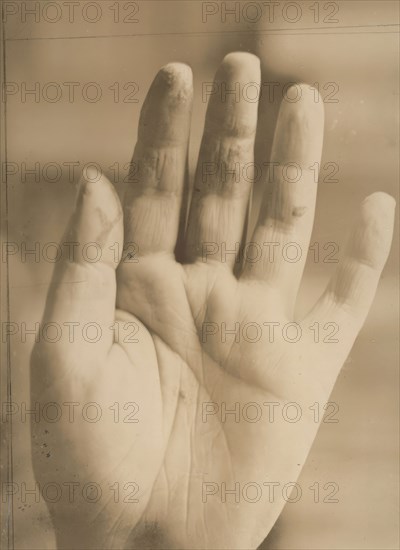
[352, 44]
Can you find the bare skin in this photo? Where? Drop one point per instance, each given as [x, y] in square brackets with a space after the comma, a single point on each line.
[180, 371]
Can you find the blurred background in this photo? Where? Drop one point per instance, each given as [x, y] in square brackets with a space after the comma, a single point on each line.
[103, 57]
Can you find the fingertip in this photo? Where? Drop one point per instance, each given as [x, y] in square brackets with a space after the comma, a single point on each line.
[374, 230]
[242, 66]
[94, 186]
[309, 96]
[172, 86]
[377, 212]
[381, 202]
[234, 96]
[166, 112]
[176, 79]
[238, 78]
[303, 103]
[98, 211]
[300, 127]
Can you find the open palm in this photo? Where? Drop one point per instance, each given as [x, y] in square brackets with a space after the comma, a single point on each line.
[197, 394]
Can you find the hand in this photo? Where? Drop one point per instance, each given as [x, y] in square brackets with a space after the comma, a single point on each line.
[184, 373]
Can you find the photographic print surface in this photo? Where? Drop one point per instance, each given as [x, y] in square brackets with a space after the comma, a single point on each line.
[199, 276]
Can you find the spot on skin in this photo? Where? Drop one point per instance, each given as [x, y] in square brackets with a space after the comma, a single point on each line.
[299, 211]
[182, 394]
